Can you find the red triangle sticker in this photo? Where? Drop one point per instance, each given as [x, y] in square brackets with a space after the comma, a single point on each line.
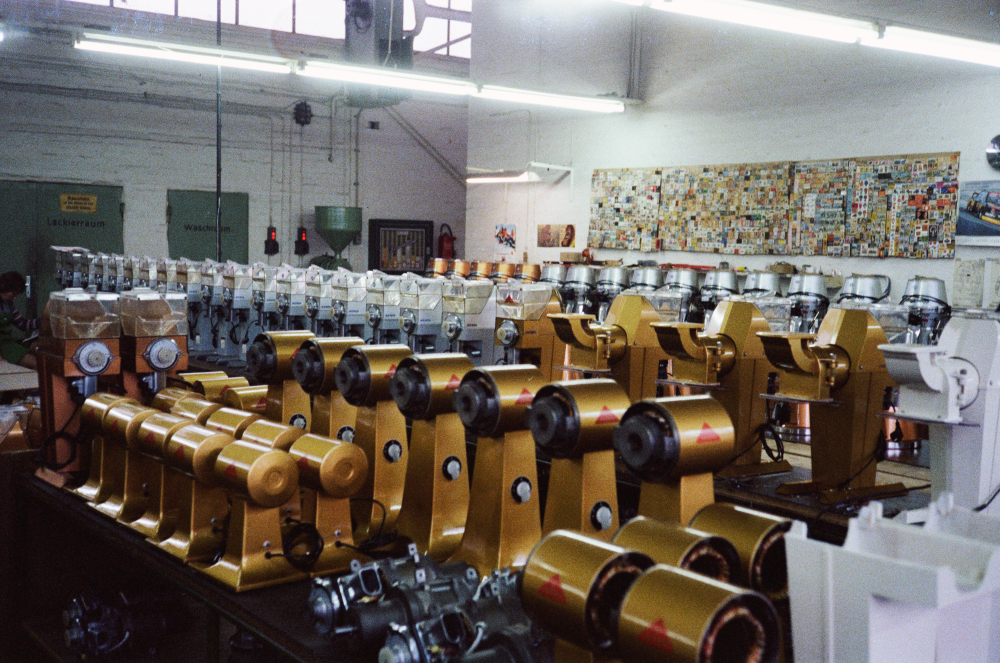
[390, 372]
[224, 390]
[606, 416]
[91, 414]
[179, 454]
[656, 635]
[708, 434]
[303, 463]
[453, 383]
[509, 300]
[115, 426]
[231, 472]
[151, 439]
[525, 398]
[553, 589]
[261, 403]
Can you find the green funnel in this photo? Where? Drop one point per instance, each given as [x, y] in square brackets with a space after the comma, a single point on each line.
[337, 226]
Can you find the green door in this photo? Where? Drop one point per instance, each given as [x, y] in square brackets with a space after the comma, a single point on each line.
[191, 225]
[37, 215]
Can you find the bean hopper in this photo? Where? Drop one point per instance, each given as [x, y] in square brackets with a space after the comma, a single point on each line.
[153, 339]
[469, 313]
[420, 313]
[264, 292]
[382, 307]
[338, 226]
[610, 282]
[78, 343]
[719, 284]
[578, 291]
[350, 290]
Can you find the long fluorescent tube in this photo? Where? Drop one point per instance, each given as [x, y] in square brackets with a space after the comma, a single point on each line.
[771, 17]
[178, 53]
[547, 99]
[825, 26]
[344, 73]
[941, 46]
[522, 178]
[386, 78]
[409, 81]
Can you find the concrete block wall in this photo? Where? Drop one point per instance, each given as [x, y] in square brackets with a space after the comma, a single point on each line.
[72, 116]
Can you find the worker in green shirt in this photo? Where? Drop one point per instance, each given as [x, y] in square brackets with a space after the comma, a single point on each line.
[13, 325]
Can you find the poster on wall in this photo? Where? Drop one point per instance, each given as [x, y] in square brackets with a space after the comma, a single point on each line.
[505, 243]
[550, 236]
[979, 214]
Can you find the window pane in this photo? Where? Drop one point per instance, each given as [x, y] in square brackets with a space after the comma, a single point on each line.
[205, 10]
[320, 18]
[267, 14]
[459, 29]
[409, 18]
[157, 6]
[434, 34]
[462, 5]
[462, 49]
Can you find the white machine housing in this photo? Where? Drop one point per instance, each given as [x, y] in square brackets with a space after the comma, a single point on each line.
[895, 592]
[954, 387]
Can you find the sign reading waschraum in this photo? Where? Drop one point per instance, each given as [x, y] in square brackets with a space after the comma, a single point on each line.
[77, 203]
[903, 206]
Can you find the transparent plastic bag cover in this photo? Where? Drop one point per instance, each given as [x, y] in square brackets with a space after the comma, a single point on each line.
[776, 310]
[145, 312]
[384, 289]
[75, 314]
[421, 293]
[522, 301]
[462, 296]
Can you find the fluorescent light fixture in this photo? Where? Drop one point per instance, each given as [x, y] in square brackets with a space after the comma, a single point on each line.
[386, 78]
[941, 46]
[409, 81]
[546, 99]
[825, 26]
[178, 53]
[770, 17]
[536, 171]
[512, 178]
[335, 71]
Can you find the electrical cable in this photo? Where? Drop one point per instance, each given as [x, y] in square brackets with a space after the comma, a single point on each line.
[49, 441]
[777, 454]
[378, 540]
[984, 505]
[300, 534]
[881, 446]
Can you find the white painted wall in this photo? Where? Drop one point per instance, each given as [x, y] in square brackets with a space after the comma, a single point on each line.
[713, 93]
[92, 118]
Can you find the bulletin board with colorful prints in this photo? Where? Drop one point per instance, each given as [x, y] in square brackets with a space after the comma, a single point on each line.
[738, 208]
[898, 206]
[625, 209]
[904, 206]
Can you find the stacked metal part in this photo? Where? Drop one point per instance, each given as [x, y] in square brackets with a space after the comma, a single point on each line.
[578, 289]
[610, 282]
[719, 284]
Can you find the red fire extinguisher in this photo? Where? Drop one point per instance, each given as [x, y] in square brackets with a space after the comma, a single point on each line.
[446, 243]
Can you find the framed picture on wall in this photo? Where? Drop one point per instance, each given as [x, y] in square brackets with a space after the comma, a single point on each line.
[979, 214]
[551, 235]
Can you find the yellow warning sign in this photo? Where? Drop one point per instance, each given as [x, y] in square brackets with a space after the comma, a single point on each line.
[77, 203]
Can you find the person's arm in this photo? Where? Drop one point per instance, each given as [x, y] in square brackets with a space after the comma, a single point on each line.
[24, 324]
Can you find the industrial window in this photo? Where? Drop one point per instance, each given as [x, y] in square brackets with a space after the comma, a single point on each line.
[445, 34]
[442, 32]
